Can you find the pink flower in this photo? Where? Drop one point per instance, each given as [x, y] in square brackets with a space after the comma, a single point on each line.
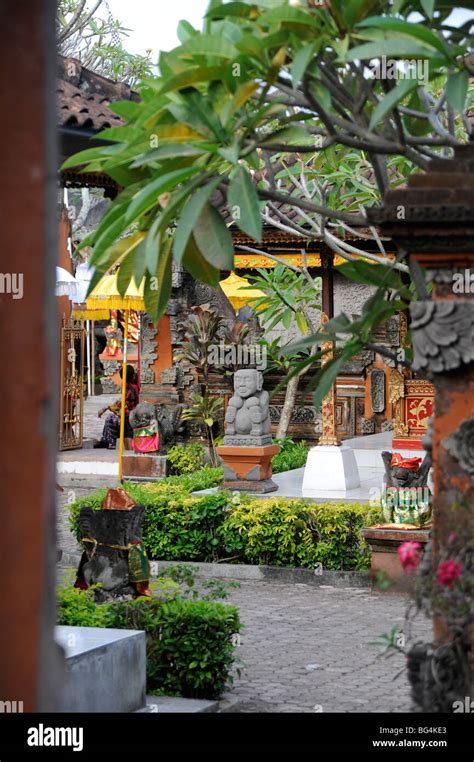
[448, 572]
[409, 555]
[452, 537]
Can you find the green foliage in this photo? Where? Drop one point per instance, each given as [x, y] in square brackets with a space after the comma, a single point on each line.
[77, 608]
[185, 528]
[287, 298]
[186, 459]
[190, 649]
[205, 409]
[276, 531]
[211, 589]
[282, 532]
[269, 88]
[292, 455]
[168, 488]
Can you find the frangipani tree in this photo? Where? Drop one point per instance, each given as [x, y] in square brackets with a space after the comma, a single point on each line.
[262, 82]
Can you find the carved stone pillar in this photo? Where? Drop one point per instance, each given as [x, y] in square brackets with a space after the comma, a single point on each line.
[328, 407]
[433, 220]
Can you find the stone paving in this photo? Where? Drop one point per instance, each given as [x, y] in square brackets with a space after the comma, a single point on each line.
[308, 649]
[303, 648]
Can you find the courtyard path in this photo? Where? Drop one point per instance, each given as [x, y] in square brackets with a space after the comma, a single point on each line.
[303, 648]
[307, 649]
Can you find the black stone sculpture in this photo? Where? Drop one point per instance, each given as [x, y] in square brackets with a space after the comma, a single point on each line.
[114, 556]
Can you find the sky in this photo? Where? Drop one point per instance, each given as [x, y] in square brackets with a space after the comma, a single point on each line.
[153, 23]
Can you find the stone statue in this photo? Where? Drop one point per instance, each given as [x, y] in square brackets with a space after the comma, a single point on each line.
[114, 555]
[145, 428]
[169, 424]
[406, 498]
[248, 416]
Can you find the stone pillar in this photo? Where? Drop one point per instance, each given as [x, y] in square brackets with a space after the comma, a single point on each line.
[30, 663]
[433, 220]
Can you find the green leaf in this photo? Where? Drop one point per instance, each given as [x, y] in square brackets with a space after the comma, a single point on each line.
[456, 90]
[230, 9]
[148, 196]
[139, 262]
[193, 75]
[294, 17]
[293, 134]
[170, 151]
[388, 103]
[125, 273]
[301, 62]
[428, 7]
[83, 157]
[158, 287]
[152, 247]
[242, 196]
[399, 48]
[213, 238]
[302, 323]
[189, 217]
[198, 266]
[418, 31]
[327, 379]
[208, 45]
[185, 30]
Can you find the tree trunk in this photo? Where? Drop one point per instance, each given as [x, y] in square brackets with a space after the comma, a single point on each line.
[288, 405]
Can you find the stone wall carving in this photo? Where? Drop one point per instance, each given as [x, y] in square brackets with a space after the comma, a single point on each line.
[443, 335]
[377, 390]
[148, 351]
[368, 425]
[460, 445]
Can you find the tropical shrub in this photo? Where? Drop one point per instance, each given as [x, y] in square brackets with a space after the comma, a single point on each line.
[292, 455]
[190, 649]
[280, 532]
[275, 531]
[183, 484]
[185, 459]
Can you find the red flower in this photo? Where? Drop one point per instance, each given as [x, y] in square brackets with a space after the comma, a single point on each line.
[448, 572]
[409, 555]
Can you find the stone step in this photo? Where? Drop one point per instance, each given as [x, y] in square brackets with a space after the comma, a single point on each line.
[105, 669]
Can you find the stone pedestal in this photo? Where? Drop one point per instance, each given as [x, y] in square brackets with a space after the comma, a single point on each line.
[147, 467]
[248, 469]
[330, 468]
[384, 543]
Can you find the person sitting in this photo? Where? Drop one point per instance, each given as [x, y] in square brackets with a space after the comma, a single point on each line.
[111, 430]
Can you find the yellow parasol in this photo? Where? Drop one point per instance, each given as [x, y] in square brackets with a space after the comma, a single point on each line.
[238, 292]
[81, 312]
[106, 295]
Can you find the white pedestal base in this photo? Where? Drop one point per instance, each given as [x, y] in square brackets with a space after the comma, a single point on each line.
[330, 468]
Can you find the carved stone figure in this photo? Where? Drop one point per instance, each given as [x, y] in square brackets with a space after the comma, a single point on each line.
[169, 425]
[114, 555]
[406, 498]
[248, 416]
[145, 428]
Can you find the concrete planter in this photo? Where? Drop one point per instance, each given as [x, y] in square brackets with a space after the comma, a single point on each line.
[384, 544]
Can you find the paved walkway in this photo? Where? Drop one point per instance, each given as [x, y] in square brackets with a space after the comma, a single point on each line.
[308, 649]
[302, 646]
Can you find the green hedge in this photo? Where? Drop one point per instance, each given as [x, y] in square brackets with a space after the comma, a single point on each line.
[242, 529]
[190, 649]
[292, 455]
